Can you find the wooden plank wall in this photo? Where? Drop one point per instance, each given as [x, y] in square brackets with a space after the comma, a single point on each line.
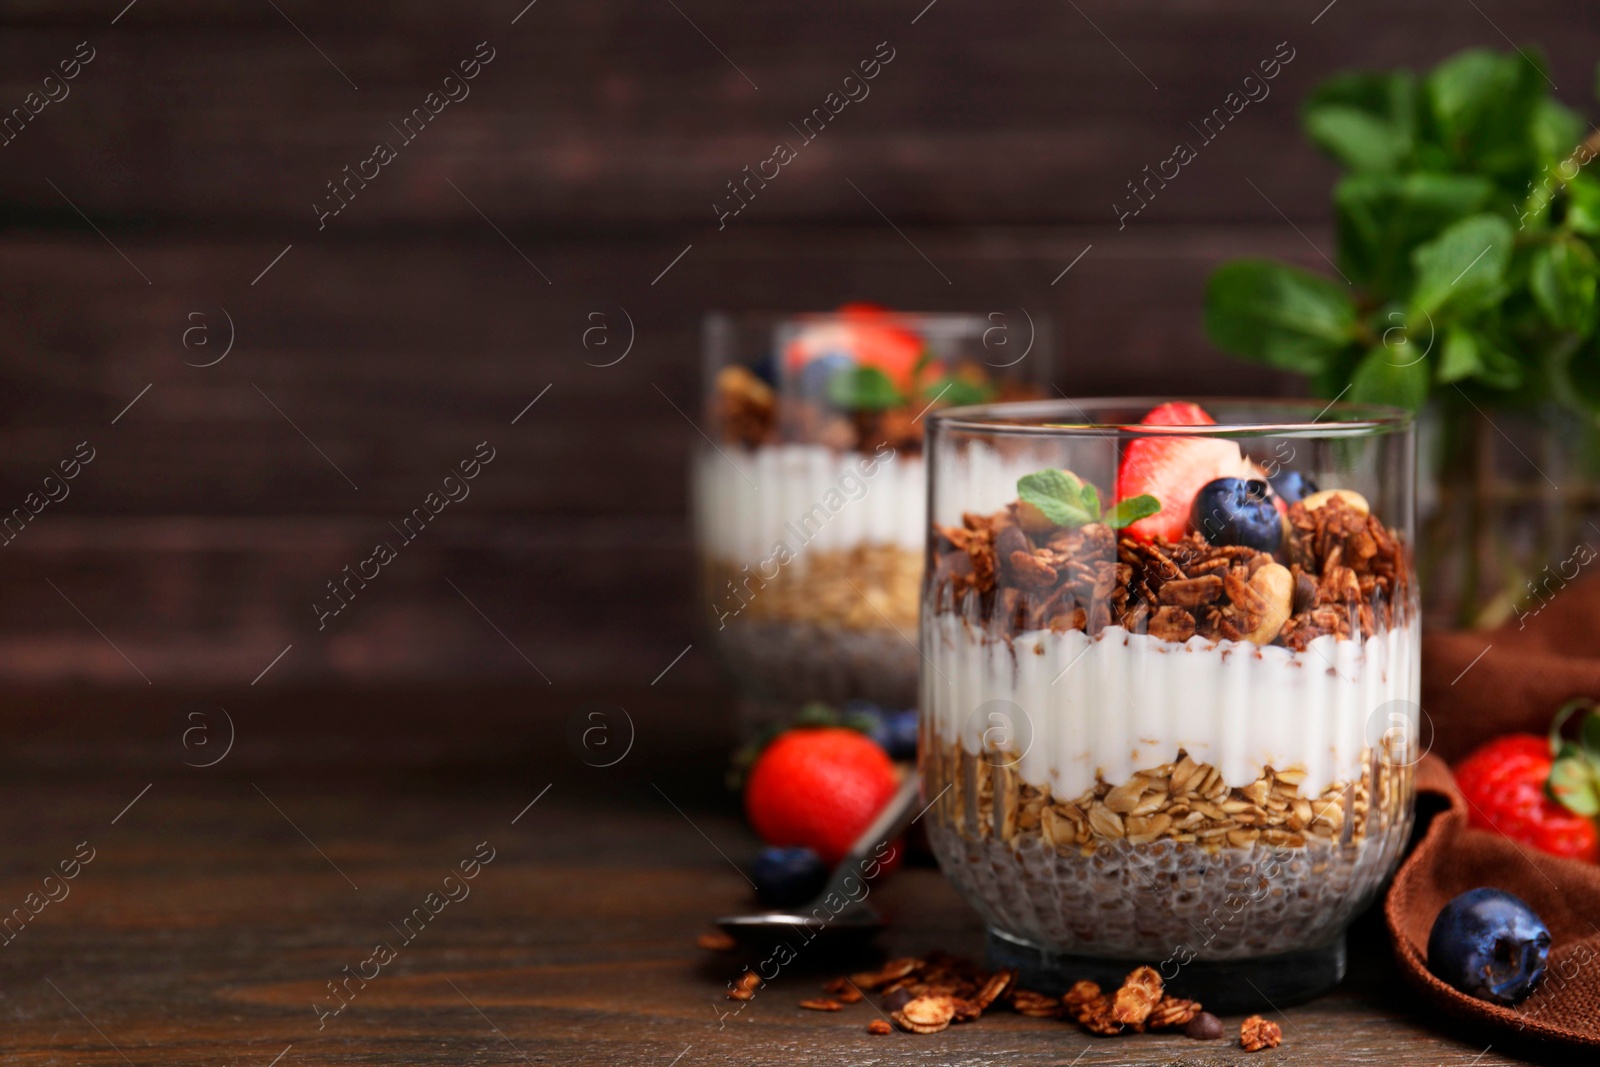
[166, 198]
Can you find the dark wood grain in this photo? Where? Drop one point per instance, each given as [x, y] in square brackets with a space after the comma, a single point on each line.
[611, 114]
[217, 908]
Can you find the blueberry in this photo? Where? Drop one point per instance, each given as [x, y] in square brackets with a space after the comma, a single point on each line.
[1233, 511]
[900, 734]
[894, 731]
[1490, 945]
[1292, 486]
[785, 877]
[815, 375]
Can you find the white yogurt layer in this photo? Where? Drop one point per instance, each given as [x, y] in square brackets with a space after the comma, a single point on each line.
[1111, 705]
[746, 501]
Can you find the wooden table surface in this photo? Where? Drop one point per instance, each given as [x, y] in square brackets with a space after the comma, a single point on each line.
[221, 901]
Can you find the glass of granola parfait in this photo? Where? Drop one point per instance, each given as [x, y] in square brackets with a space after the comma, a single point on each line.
[808, 499]
[1169, 701]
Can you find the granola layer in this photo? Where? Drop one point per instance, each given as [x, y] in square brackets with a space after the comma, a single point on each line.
[1350, 578]
[1182, 801]
[867, 587]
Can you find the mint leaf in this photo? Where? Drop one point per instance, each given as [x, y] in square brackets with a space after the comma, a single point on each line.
[1459, 357]
[1091, 498]
[1556, 131]
[1278, 315]
[1383, 378]
[1383, 217]
[1464, 268]
[1583, 205]
[863, 389]
[1058, 495]
[954, 391]
[1485, 106]
[1358, 139]
[1468, 353]
[1562, 278]
[1129, 511]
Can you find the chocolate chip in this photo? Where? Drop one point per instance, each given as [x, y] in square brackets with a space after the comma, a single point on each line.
[897, 1000]
[1204, 1027]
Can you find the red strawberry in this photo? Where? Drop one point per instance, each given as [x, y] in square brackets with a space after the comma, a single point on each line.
[1504, 781]
[1174, 469]
[819, 787]
[868, 334]
[1178, 413]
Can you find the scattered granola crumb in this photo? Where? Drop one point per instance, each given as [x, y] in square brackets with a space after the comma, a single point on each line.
[745, 987]
[926, 1015]
[1138, 997]
[997, 985]
[925, 996]
[821, 1004]
[1098, 1017]
[715, 941]
[1174, 1012]
[1035, 1005]
[1080, 994]
[891, 971]
[1256, 1033]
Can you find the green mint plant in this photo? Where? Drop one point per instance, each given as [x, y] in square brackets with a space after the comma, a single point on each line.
[1468, 246]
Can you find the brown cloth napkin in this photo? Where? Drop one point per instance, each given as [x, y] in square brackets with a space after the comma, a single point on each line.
[1477, 686]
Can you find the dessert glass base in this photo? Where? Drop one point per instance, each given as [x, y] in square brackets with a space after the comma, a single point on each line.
[1221, 889]
[1225, 987]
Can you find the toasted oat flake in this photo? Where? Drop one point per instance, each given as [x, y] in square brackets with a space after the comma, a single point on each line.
[879, 1026]
[1172, 1012]
[994, 988]
[966, 1010]
[929, 1011]
[821, 1004]
[1098, 1016]
[889, 972]
[1256, 1033]
[1140, 993]
[1081, 993]
[1035, 1005]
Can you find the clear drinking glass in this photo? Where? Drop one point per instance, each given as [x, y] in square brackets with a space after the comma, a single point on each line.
[1188, 741]
[808, 498]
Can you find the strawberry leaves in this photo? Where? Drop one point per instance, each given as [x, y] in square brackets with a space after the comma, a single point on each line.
[1574, 780]
[1067, 500]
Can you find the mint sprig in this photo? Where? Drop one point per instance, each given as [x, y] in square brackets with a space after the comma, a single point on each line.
[1067, 500]
[863, 389]
[1574, 780]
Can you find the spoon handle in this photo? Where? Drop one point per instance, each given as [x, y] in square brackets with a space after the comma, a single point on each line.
[890, 824]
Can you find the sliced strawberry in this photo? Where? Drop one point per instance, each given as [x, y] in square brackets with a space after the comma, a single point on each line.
[1178, 413]
[1174, 469]
[864, 333]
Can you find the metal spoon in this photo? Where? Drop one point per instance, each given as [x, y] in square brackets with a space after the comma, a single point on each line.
[857, 920]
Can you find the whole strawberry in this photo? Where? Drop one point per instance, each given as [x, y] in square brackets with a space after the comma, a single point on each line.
[1504, 783]
[818, 787]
